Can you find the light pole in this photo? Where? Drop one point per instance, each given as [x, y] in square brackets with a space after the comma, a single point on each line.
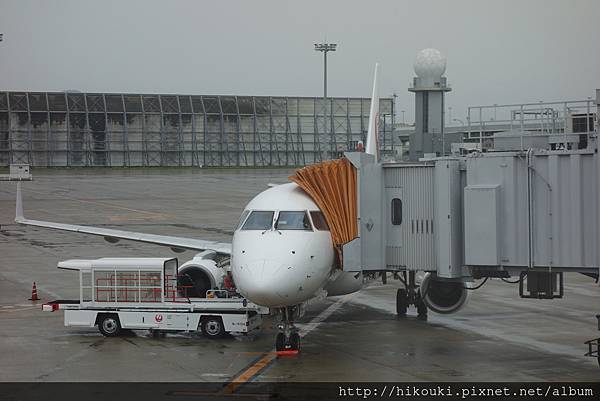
[325, 48]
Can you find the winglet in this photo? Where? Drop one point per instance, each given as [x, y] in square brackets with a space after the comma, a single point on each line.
[19, 206]
[372, 133]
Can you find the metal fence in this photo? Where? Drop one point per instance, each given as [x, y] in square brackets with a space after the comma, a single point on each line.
[97, 129]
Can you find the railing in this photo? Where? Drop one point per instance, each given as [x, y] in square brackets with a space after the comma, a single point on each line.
[217, 294]
[134, 288]
[542, 118]
[176, 293]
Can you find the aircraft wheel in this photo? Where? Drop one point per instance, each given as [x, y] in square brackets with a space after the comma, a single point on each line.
[421, 309]
[280, 342]
[109, 325]
[401, 302]
[294, 342]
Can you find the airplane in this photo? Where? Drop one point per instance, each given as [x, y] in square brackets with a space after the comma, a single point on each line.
[281, 255]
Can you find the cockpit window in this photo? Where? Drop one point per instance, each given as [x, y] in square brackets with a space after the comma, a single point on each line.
[242, 218]
[259, 220]
[293, 221]
[319, 221]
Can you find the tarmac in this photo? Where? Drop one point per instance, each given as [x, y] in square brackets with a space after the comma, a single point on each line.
[496, 337]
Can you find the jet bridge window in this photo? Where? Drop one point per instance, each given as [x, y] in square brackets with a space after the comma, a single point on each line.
[259, 220]
[319, 221]
[396, 211]
[293, 221]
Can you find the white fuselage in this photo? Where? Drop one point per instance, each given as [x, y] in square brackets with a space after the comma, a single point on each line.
[282, 255]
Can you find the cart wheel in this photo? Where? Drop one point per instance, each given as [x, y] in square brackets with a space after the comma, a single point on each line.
[401, 302]
[109, 325]
[212, 327]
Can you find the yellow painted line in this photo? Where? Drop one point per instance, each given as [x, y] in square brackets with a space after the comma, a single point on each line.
[258, 396]
[125, 218]
[250, 353]
[249, 373]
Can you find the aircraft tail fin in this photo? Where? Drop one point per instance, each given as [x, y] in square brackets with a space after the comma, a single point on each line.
[372, 133]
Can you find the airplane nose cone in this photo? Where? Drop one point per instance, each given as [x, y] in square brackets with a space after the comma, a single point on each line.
[257, 283]
[273, 284]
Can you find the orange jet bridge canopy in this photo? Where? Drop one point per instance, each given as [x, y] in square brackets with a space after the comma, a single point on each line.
[332, 186]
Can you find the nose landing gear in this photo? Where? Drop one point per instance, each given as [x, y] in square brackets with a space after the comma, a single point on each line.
[287, 341]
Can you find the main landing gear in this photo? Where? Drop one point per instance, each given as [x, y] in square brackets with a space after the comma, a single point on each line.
[287, 341]
[410, 295]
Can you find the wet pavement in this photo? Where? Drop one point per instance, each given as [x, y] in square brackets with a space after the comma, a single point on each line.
[496, 337]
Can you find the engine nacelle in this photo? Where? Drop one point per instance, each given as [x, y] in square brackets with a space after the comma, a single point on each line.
[200, 274]
[443, 296]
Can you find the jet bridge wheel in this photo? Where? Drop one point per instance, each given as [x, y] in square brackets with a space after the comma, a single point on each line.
[401, 302]
[109, 325]
[421, 307]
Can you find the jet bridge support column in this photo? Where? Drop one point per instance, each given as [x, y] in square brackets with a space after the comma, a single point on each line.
[449, 181]
[367, 251]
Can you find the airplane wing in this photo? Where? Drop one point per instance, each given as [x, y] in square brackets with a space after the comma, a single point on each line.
[177, 244]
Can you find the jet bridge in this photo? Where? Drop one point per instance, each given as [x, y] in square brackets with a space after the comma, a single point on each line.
[496, 214]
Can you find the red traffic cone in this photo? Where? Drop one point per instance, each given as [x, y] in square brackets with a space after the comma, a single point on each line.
[34, 295]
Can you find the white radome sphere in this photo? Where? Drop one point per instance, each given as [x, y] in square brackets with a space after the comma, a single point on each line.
[430, 63]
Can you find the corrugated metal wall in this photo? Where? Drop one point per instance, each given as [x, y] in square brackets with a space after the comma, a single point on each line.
[410, 245]
[553, 196]
[98, 129]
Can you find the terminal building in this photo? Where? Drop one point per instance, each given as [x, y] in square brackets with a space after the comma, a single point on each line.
[126, 130]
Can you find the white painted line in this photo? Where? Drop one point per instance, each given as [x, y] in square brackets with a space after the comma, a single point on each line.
[473, 326]
[317, 320]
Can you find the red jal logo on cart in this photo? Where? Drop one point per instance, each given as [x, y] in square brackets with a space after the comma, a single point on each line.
[158, 318]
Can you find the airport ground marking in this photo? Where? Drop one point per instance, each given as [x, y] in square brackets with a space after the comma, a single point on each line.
[321, 317]
[263, 363]
[12, 310]
[250, 373]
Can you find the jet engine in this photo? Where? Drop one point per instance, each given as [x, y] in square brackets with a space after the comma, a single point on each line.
[200, 274]
[443, 296]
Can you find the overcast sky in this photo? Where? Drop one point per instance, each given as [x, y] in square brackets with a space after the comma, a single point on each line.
[498, 51]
